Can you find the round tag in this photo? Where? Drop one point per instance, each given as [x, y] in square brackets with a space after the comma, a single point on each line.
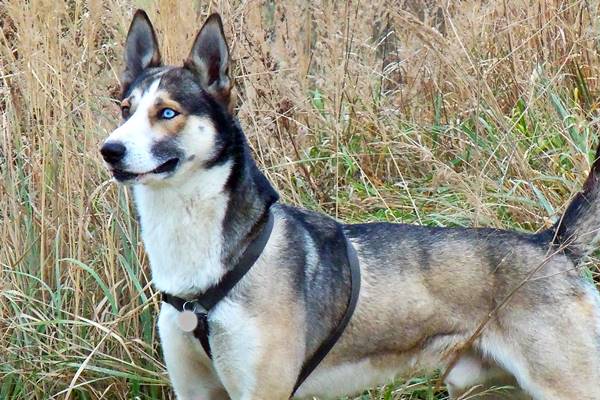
[187, 321]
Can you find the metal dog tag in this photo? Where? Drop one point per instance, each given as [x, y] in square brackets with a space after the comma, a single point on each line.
[187, 321]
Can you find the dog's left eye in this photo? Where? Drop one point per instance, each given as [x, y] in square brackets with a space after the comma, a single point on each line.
[168, 113]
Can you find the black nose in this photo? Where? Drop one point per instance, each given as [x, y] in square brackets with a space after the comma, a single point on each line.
[113, 152]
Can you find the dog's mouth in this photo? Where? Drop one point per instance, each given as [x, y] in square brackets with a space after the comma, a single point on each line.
[164, 168]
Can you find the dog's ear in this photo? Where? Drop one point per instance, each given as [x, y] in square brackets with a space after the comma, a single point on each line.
[141, 49]
[209, 59]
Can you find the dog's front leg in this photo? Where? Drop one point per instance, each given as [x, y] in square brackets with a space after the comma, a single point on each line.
[189, 368]
[257, 356]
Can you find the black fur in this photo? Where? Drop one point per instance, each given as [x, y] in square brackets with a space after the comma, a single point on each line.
[166, 149]
[577, 231]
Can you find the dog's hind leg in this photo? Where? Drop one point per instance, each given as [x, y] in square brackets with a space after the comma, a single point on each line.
[554, 350]
[189, 368]
[473, 378]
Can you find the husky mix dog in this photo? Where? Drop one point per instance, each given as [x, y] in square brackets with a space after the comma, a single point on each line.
[424, 291]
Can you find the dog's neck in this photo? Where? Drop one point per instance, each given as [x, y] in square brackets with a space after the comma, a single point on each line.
[195, 232]
[250, 197]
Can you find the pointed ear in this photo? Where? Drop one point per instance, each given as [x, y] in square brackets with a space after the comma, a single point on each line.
[209, 59]
[141, 48]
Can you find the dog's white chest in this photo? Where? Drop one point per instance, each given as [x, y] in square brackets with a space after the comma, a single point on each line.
[183, 239]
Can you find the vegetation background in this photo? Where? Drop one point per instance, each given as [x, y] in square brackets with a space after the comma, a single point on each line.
[445, 113]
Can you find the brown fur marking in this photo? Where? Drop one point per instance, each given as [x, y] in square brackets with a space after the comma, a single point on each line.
[170, 127]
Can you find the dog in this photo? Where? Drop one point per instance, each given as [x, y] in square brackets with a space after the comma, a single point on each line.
[424, 291]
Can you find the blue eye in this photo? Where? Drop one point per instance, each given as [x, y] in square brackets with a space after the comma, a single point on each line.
[168, 113]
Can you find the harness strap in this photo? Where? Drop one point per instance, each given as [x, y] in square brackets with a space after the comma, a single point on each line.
[216, 293]
[325, 347]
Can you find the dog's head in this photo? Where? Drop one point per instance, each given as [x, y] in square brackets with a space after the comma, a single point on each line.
[171, 115]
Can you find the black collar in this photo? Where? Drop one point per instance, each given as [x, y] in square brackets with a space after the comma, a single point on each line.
[204, 302]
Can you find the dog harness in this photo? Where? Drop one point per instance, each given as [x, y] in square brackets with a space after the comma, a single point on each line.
[194, 313]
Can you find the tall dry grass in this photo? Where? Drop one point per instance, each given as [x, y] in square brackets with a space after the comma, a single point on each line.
[440, 113]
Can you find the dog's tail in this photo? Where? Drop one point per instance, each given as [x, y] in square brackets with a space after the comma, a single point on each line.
[578, 230]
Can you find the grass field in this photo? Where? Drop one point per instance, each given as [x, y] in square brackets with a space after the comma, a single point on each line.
[466, 113]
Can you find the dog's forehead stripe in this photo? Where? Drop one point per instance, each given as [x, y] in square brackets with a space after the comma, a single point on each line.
[145, 82]
[135, 95]
[148, 96]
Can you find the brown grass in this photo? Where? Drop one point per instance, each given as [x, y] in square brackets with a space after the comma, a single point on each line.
[449, 113]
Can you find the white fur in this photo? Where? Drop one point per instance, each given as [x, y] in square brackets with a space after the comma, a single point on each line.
[136, 133]
[467, 372]
[312, 256]
[182, 231]
[329, 382]
[236, 365]
[189, 368]
[595, 298]
[497, 348]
